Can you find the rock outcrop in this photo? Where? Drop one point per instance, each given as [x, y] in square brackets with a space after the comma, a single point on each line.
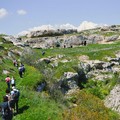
[113, 100]
[66, 38]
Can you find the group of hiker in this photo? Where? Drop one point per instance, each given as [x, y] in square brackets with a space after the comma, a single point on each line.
[9, 106]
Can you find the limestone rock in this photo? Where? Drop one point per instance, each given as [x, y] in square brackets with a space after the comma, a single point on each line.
[113, 100]
[5, 72]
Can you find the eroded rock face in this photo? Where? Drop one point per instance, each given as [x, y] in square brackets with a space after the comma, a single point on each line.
[70, 75]
[67, 41]
[112, 38]
[60, 38]
[113, 100]
[68, 83]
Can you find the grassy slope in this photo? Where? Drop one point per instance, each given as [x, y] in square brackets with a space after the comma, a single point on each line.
[38, 106]
[32, 105]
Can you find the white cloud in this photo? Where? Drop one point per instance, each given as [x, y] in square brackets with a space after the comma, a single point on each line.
[87, 25]
[42, 28]
[48, 27]
[3, 12]
[67, 26]
[83, 26]
[21, 12]
[23, 33]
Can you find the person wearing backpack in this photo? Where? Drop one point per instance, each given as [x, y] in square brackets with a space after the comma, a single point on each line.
[16, 94]
[5, 109]
[8, 80]
[23, 67]
[10, 100]
[8, 94]
[20, 71]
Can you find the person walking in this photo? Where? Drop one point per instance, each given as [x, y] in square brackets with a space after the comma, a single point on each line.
[8, 94]
[15, 95]
[8, 80]
[20, 71]
[5, 109]
[10, 100]
[23, 67]
[13, 81]
[15, 63]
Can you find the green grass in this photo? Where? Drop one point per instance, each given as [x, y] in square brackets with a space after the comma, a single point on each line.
[94, 51]
[37, 106]
[108, 34]
[32, 105]
[40, 106]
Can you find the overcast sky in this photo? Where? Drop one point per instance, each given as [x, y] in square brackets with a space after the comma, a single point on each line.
[20, 15]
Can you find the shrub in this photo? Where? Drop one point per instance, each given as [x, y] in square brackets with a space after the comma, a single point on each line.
[88, 107]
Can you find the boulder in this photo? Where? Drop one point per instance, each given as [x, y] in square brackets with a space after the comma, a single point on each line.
[112, 38]
[113, 100]
[5, 72]
[70, 75]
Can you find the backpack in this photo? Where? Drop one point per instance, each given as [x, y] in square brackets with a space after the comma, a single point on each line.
[16, 94]
[5, 109]
[20, 69]
[23, 69]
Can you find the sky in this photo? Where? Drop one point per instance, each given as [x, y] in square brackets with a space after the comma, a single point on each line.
[19, 15]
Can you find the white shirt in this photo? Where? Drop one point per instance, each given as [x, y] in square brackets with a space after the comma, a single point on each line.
[12, 81]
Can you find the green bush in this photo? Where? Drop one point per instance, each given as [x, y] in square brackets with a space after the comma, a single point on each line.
[88, 107]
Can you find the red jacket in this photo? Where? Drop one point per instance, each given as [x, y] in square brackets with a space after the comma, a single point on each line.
[7, 79]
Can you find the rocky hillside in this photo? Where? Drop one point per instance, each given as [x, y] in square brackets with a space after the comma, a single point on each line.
[68, 74]
[68, 38]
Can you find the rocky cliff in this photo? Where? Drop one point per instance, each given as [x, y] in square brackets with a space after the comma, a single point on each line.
[69, 38]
